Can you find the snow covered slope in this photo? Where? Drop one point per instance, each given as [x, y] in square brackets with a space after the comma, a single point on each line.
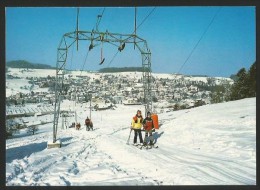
[208, 145]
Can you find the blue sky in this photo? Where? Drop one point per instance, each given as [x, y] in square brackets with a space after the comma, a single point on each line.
[33, 34]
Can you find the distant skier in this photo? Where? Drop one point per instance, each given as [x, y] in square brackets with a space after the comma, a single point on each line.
[78, 126]
[89, 124]
[136, 126]
[148, 126]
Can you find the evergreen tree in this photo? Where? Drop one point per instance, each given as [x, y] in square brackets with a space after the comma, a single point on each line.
[220, 93]
[245, 85]
[176, 107]
[252, 80]
[238, 89]
[12, 127]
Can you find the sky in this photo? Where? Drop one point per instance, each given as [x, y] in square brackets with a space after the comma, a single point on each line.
[213, 41]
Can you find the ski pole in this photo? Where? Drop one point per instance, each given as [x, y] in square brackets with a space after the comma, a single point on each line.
[129, 136]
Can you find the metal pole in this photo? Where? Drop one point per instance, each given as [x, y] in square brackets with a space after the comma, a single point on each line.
[62, 126]
[75, 113]
[135, 25]
[90, 107]
[129, 136]
[77, 29]
[69, 39]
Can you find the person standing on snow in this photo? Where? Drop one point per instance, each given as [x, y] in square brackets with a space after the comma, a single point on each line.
[89, 124]
[148, 127]
[136, 126]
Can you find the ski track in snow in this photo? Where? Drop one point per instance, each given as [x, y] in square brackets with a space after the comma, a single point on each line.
[191, 151]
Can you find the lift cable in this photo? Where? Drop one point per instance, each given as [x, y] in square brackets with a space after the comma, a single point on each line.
[103, 11]
[77, 29]
[112, 59]
[196, 45]
[135, 25]
[71, 60]
[100, 17]
[144, 19]
[82, 68]
[75, 36]
[98, 22]
[134, 31]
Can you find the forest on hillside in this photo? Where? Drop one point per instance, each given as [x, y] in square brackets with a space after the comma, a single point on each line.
[27, 65]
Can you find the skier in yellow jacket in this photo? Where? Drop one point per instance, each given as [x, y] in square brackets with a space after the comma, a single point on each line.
[136, 126]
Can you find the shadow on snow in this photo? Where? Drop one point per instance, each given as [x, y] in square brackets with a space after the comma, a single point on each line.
[25, 151]
[156, 136]
[64, 140]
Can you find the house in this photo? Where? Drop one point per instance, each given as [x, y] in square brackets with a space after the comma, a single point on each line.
[131, 101]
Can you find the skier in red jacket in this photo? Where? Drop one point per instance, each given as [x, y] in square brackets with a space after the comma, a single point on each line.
[148, 127]
[89, 124]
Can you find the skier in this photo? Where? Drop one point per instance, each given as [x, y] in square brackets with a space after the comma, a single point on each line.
[148, 126]
[136, 126]
[78, 126]
[89, 124]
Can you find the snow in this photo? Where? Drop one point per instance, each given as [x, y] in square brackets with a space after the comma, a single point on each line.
[13, 86]
[208, 145]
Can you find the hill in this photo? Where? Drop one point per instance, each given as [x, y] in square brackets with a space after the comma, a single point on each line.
[209, 145]
[120, 69]
[26, 64]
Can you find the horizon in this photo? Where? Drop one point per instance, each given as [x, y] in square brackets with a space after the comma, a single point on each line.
[212, 41]
[98, 71]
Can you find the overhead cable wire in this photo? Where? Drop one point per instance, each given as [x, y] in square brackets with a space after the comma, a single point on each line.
[98, 22]
[113, 58]
[103, 11]
[84, 63]
[72, 50]
[203, 34]
[75, 36]
[134, 31]
[145, 19]
[89, 49]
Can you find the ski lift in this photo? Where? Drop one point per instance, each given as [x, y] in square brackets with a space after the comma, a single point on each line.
[121, 47]
[91, 46]
[101, 59]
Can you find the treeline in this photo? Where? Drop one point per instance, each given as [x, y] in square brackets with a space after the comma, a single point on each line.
[244, 87]
[121, 69]
[245, 84]
[27, 65]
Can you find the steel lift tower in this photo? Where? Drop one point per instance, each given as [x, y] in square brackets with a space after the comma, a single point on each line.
[95, 37]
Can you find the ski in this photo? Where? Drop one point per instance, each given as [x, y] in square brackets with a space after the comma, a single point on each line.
[148, 147]
[152, 146]
[137, 145]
